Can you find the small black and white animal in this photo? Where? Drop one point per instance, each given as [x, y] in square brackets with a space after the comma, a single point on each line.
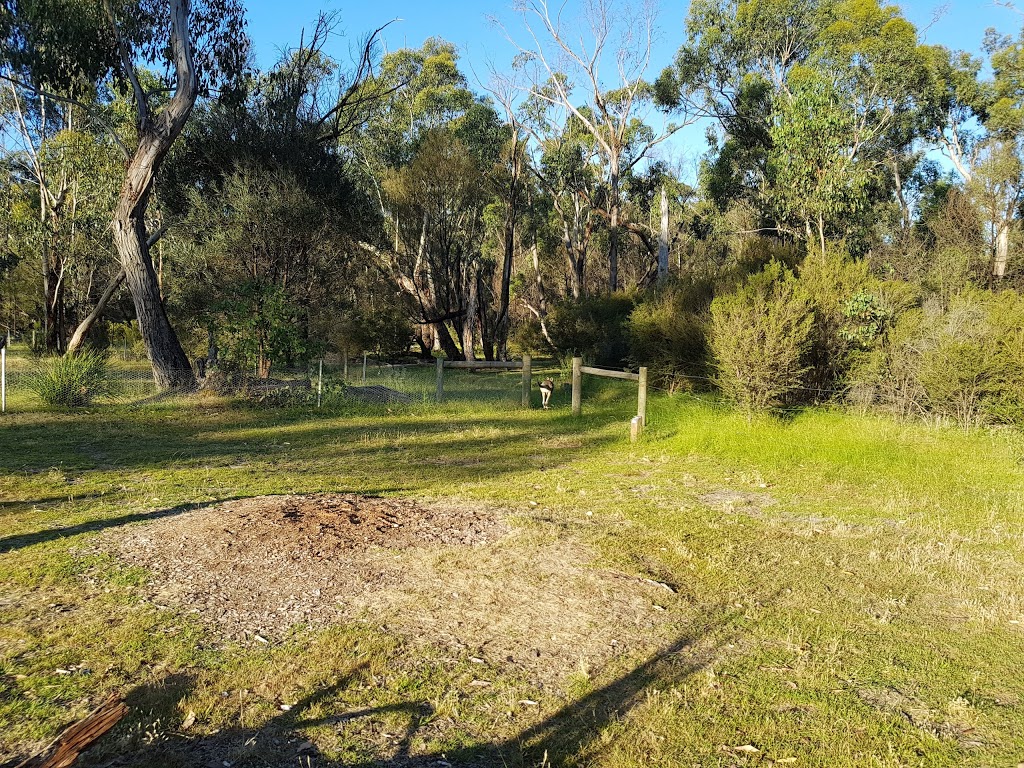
[546, 388]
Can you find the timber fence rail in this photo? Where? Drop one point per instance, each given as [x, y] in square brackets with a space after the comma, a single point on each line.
[638, 422]
[525, 365]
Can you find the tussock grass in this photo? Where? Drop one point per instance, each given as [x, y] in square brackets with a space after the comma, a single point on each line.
[849, 590]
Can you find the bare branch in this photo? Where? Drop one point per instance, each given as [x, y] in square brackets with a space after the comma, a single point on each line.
[141, 102]
[90, 111]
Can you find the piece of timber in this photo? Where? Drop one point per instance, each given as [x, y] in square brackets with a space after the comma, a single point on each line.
[510, 365]
[78, 737]
[611, 374]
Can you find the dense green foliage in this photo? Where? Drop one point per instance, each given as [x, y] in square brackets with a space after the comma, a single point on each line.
[311, 210]
[759, 335]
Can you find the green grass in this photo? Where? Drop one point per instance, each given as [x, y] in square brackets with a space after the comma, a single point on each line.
[850, 590]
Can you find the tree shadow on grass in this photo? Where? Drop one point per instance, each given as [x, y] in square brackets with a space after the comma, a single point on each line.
[45, 501]
[20, 541]
[149, 445]
[573, 731]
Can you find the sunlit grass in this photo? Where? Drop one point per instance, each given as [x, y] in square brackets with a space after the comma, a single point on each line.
[849, 589]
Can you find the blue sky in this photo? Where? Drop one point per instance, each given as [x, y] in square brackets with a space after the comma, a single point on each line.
[274, 25]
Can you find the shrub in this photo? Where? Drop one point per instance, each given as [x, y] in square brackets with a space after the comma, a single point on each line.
[964, 363]
[72, 381]
[759, 334]
[125, 339]
[958, 376]
[593, 328]
[383, 331]
[668, 334]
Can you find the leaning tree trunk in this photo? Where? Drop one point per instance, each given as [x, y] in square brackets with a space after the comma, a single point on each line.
[443, 340]
[157, 132]
[78, 337]
[171, 368]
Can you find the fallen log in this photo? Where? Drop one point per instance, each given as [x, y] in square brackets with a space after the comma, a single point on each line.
[78, 737]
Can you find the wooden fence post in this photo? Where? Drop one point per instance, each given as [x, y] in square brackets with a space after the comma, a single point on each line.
[440, 378]
[320, 384]
[364, 369]
[577, 386]
[527, 379]
[641, 398]
[636, 428]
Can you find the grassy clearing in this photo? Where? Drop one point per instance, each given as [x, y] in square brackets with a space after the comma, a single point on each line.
[849, 590]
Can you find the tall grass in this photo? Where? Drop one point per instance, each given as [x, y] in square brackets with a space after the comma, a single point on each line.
[72, 381]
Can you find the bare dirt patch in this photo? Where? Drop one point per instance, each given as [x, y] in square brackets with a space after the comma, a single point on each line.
[918, 714]
[743, 502]
[451, 575]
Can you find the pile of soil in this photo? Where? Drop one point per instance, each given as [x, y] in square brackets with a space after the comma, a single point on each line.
[443, 574]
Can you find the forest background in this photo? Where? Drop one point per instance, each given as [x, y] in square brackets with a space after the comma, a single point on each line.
[846, 228]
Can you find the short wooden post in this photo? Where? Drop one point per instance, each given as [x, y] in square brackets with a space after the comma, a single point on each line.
[641, 398]
[364, 369]
[636, 428]
[440, 378]
[577, 386]
[344, 370]
[527, 379]
[320, 384]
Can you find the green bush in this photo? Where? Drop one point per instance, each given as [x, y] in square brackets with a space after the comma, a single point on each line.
[959, 376]
[593, 328]
[963, 363]
[125, 340]
[668, 333]
[384, 331]
[759, 335]
[72, 381]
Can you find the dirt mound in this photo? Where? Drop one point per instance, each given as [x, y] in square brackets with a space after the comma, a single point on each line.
[324, 525]
[450, 575]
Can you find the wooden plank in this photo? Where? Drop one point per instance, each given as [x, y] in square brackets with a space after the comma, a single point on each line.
[510, 365]
[77, 738]
[611, 374]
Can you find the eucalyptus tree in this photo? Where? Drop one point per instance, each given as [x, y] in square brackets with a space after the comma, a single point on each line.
[65, 177]
[820, 105]
[566, 75]
[432, 156]
[439, 198]
[60, 48]
[978, 123]
[269, 210]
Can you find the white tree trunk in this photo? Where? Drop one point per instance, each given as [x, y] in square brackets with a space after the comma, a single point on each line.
[663, 236]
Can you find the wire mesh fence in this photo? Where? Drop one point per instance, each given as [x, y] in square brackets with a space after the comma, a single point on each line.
[34, 381]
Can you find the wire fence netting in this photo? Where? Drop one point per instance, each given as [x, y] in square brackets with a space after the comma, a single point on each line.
[33, 381]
